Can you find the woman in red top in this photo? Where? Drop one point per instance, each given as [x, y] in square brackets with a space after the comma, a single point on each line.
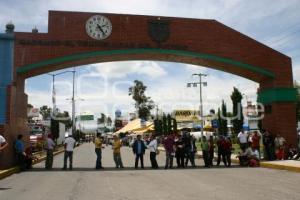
[255, 142]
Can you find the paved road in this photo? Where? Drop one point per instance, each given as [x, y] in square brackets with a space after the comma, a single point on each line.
[84, 183]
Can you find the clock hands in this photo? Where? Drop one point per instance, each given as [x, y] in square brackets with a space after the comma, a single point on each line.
[100, 28]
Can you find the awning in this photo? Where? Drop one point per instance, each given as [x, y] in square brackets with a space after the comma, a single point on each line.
[134, 125]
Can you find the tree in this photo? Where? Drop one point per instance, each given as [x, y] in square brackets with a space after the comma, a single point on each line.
[102, 120]
[237, 110]
[169, 124]
[222, 119]
[45, 111]
[143, 104]
[164, 124]
[174, 125]
[109, 121]
[54, 128]
[158, 126]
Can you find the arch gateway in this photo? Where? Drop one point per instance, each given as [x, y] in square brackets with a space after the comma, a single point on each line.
[77, 38]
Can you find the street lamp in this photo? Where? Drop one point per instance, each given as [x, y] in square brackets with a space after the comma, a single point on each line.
[73, 110]
[53, 89]
[200, 83]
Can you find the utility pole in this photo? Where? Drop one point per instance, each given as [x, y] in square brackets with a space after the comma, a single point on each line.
[73, 104]
[53, 90]
[200, 83]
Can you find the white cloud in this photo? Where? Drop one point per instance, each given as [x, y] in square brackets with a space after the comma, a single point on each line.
[266, 21]
[123, 69]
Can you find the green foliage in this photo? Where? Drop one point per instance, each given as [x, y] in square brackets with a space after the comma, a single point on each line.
[164, 124]
[109, 121]
[174, 125]
[169, 124]
[143, 104]
[45, 111]
[222, 122]
[64, 118]
[158, 126]
[54, 128]
[102, 120]
[237, 111]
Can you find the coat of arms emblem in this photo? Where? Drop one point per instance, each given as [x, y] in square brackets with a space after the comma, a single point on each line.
[159, 30]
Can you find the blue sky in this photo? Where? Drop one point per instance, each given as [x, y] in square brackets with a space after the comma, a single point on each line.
[274, 23]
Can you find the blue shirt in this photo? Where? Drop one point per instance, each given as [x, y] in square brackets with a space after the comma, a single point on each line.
[19, 146]
[139, 147]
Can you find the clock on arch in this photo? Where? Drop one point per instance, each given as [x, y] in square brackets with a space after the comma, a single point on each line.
[98, 27]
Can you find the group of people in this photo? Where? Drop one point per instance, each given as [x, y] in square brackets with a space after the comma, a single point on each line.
[182, 147]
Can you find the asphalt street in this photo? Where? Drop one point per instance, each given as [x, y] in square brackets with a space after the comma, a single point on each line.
[85, 183]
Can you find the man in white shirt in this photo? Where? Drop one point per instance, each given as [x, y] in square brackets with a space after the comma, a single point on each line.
[69, 148]
[3, 143]
[243, 139]
[152, 146]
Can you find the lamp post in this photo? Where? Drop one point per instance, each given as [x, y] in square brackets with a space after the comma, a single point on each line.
[200, 83]
[53, 89]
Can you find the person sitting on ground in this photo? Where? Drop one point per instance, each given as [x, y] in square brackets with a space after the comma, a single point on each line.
[292, 152]
[250, 156]
[279, 147]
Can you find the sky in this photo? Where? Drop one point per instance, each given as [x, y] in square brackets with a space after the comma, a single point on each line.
[103, 87]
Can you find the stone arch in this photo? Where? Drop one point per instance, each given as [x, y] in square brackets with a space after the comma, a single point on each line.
[136, 37]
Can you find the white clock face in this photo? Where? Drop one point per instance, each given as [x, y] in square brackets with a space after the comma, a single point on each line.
[98, 27]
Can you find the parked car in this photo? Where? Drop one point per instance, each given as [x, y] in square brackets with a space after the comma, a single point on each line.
[37, 137]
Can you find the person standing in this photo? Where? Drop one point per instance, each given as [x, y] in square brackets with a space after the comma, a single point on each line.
[243, 139]
[268, 142]
[169, 148]
[50, 145]
[192, 149]
[227, 146]
[3, 143]
[116, 146]
[69, 148]
[139, 148]
[98, 150]
[256, 142]
[20, 152]
[211, 150]
[152, 146]
[180, 151]
[205, 151]
[221, 151]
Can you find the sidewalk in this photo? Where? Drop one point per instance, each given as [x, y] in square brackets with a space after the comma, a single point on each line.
[289, 165]
[41, 157]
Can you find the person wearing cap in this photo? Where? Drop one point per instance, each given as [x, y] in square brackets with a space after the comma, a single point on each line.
[3, 143]
[116, 146]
